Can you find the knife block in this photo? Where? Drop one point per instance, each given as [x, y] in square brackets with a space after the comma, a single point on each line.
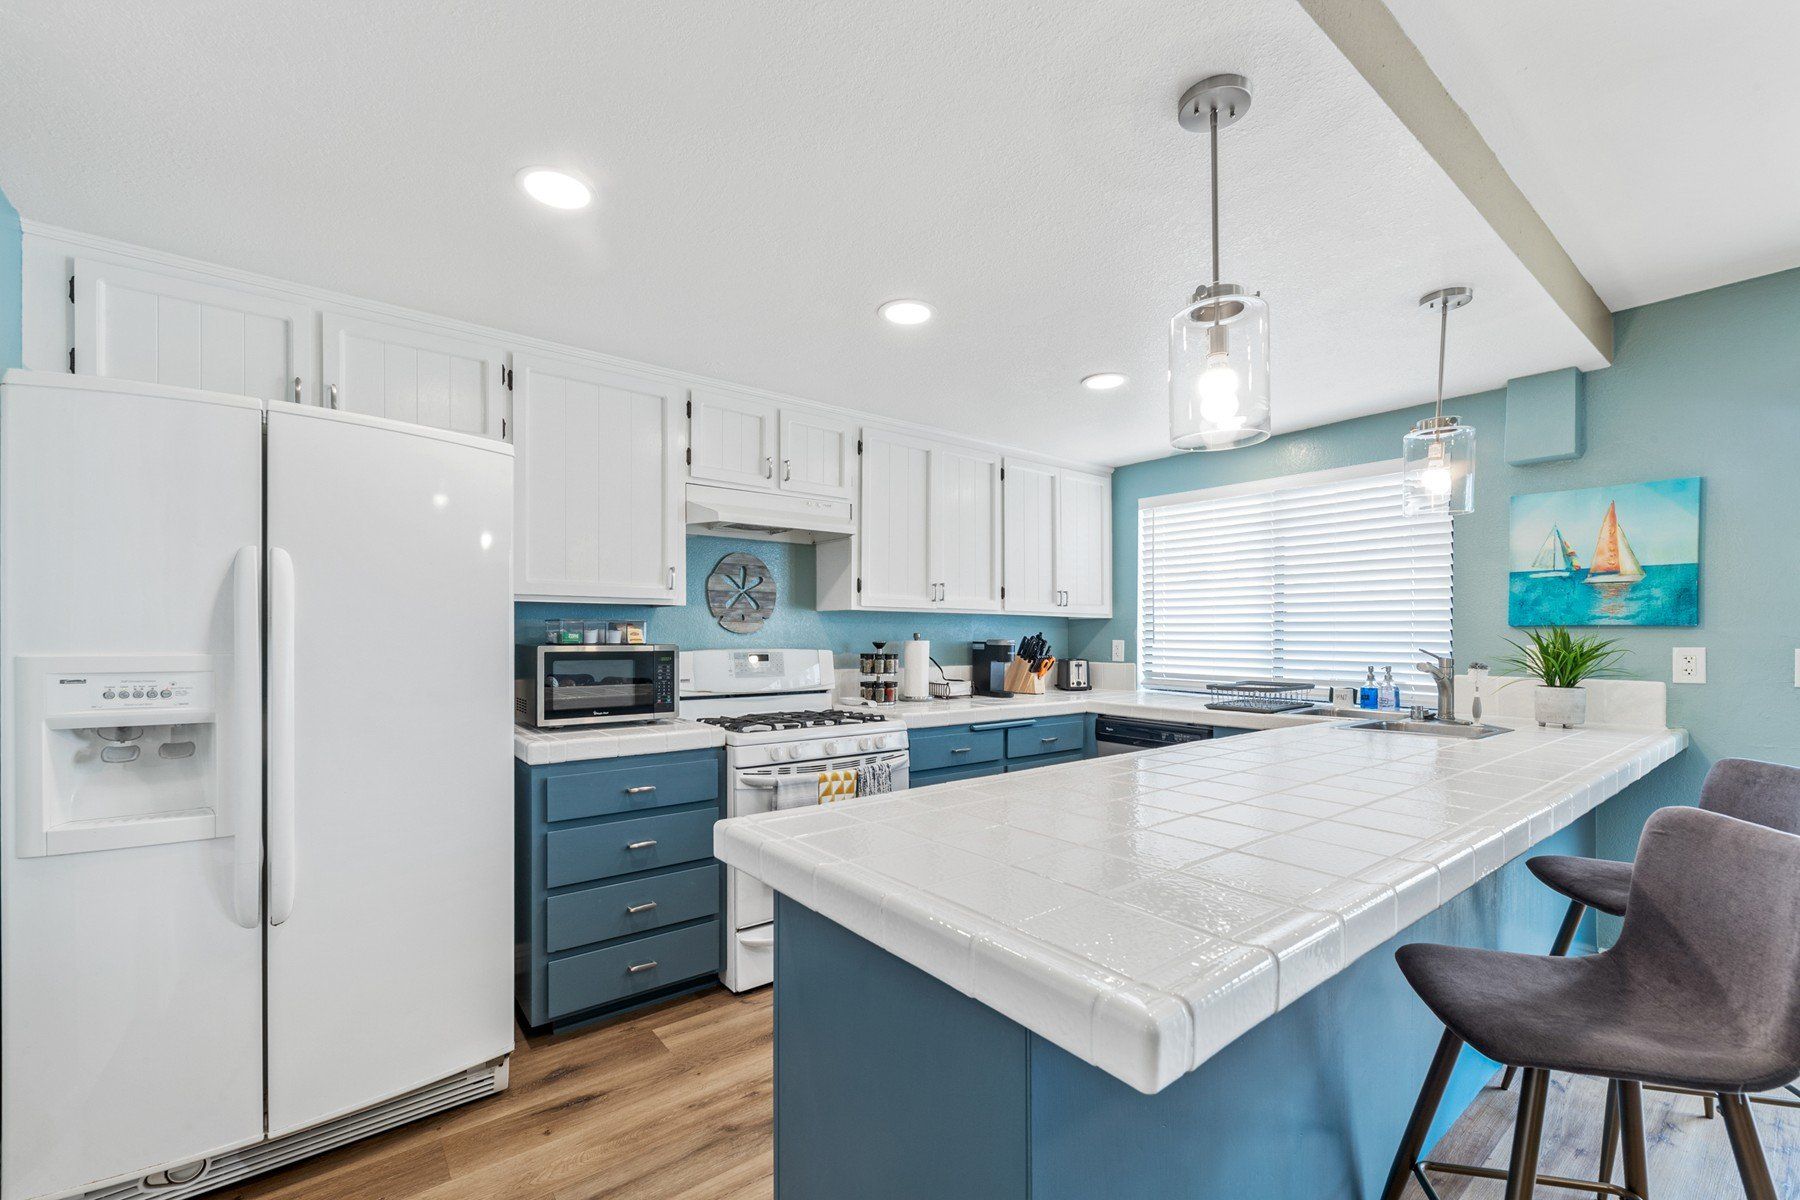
[1021, 682]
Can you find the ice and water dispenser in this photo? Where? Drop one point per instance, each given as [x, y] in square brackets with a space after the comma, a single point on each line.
[117, 752]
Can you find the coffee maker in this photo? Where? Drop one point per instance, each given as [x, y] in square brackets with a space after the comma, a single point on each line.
[990, 660]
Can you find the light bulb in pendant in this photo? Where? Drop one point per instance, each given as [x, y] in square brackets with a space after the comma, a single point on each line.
[1435, 478]
[1220, 391]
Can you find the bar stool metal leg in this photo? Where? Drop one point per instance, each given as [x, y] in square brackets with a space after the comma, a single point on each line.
[1746, 1147]
[1431, 1094]
[1609, 1136]
[1565, 937]
[1631, 1121]
[1528, 1134]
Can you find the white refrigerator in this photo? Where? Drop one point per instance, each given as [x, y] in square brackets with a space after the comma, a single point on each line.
[255, 782]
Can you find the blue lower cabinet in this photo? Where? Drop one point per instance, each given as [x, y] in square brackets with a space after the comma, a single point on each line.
[954, 752]
[1044, 760]
[617, 894]
[919, 779]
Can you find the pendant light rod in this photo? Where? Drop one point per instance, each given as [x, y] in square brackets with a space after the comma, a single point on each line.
[1443, 340]
[1213, 121]
[1441, 302]
[1215, 103]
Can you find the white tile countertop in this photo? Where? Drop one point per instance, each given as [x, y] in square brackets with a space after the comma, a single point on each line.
[537, 747]
[1142, 911]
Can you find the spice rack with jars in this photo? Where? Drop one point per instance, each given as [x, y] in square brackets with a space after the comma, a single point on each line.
[880, 671]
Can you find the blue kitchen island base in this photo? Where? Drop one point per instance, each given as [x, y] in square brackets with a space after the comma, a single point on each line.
[890, 1085]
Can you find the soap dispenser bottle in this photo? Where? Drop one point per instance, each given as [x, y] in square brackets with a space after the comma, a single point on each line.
[1369, 695]
[1389, 696]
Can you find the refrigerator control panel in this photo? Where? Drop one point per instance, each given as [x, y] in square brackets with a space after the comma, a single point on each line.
[134, 690]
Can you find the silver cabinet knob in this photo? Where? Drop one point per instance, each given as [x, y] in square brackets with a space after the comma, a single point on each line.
[787, 469]
[296, 389]
[331, 395]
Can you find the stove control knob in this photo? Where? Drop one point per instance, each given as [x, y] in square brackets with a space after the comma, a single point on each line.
[887, 741]
[783, 751]
[865, 743]
[835, 747]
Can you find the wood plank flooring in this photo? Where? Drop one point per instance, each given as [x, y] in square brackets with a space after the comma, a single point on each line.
[675, 1104]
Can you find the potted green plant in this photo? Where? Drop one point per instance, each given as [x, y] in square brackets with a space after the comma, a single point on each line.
[1561, 662]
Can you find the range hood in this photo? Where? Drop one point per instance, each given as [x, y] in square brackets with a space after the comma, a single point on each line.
[766, 516]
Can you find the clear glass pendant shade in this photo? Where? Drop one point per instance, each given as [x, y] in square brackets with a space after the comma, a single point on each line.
[1438, 475]
[1219, 371]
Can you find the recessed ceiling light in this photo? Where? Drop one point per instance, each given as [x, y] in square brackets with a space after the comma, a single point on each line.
[906, 312]
[558, 189]
[1105, 381]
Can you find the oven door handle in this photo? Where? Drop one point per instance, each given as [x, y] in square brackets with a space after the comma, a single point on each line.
[768, 781]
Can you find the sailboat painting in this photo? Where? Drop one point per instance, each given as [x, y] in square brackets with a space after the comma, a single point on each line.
[1643, 567]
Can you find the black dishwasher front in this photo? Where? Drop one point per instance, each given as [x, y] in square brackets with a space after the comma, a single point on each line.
[1123, 735]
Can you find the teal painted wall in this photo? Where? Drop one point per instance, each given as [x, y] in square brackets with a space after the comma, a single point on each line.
[1706, 384]
[12, 274]
[796, 622]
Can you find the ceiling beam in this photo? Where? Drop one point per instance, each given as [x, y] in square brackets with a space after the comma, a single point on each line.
[1371, 38]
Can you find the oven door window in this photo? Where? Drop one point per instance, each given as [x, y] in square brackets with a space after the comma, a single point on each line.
[579, 685]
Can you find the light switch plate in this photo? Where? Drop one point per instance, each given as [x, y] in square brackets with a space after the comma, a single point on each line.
[1690, 664]
[1119, 656]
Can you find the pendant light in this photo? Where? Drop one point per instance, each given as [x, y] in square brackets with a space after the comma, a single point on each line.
[1439, 454]
[1218, 343]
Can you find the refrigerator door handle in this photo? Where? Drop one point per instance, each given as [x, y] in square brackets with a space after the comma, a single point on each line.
[245, 779]
[281, 736]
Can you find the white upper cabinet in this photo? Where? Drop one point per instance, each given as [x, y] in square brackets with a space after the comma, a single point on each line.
[895, 533]
[155, 328]
[1029, 498]
[965, 528]
[733, 439]
[818, 454]
[1058, 541]
[414, 374]
[1084, 543]
[599, 512]
[928, 530]
[746, 442]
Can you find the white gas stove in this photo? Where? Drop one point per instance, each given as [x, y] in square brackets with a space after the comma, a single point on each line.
[776, 709]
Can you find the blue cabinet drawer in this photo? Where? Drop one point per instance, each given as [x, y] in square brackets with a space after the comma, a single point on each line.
[614, 910]
[919, 779]
[644, 964]
[934, 749]
[601, 789]
[623, 847]
[1044, 760]
[1053, 735]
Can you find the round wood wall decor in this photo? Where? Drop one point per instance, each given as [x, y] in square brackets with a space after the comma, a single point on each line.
[740, 592]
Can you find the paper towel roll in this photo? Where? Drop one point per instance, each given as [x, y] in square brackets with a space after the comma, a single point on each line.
[915, 669]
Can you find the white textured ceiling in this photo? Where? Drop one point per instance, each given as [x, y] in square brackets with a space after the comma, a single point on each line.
[769, 173]
[1658, 139]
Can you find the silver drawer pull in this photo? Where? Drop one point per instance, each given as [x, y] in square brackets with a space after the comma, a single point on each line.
[961, 749]
[649, 845]
[1048, 740]
[640, 968]
[634, 909]
[640, 789]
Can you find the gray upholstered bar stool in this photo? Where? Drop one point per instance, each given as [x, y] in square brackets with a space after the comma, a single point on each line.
[1765, 793]
[1700, 992]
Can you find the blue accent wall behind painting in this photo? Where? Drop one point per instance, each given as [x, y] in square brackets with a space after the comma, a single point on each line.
[1706, 384]
[12, 273]
[796, 622]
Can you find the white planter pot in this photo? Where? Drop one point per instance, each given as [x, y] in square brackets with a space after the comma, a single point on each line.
[1566, 707]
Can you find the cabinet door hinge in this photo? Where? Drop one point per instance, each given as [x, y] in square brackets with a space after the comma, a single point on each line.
[1002, 474]
[506, 377]
[690, 410]
[859, 447]
[71, 289]
[859, 585]
[1003, 592]
[690, 456]
[71, 360]
[503, 429]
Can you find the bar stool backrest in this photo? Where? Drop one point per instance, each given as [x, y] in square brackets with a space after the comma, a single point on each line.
[1766, 793]
[1713, 925]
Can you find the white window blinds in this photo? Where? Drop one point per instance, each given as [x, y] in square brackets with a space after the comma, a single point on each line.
[1312, 577]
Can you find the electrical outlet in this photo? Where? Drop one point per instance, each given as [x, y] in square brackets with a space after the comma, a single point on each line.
[1690, 664]
[1119, 656]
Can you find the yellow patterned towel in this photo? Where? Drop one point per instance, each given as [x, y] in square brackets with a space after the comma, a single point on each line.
[836, 785]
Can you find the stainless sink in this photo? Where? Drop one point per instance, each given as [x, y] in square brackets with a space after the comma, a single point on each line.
[1433, 728]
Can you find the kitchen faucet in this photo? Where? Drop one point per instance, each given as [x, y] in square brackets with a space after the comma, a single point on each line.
[1443, 672]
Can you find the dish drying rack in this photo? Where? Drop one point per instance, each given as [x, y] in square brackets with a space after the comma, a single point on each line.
[1267, 696]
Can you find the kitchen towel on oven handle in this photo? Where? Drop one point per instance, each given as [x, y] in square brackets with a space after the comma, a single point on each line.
[836, 785]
